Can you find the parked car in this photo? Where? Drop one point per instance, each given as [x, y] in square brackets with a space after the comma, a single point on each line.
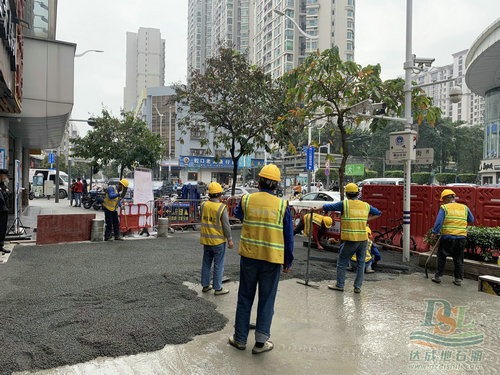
[315, 199]
[239, 191]
[462, 184]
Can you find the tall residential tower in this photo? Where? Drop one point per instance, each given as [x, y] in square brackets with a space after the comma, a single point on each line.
[145, 64]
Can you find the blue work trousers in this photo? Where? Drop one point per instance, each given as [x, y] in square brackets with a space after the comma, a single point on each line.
[215, 254]
[348, 250]
[265, 275]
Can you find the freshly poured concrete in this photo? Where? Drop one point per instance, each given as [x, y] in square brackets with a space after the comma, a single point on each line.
[319, 331]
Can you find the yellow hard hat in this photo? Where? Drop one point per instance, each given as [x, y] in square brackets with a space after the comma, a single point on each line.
[446, 192]
[124, 182]
[327, 220]
[369, 231]
[215, 188]
[271, 172]
[351, 188]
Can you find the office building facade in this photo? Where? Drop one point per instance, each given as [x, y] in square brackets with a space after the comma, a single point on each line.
[145, 64]
[471, 109]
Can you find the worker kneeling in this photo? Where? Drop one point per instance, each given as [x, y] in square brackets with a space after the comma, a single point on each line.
[320, 224]
[372, 255]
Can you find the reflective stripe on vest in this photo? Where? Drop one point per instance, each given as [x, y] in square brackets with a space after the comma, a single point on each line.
[368, 255]
[317, 219]
[111, 204]
[354, 220]
[455, 219]
[262, 231]
[212, 232]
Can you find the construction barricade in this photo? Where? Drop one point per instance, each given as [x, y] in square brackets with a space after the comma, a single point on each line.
[135, 217]
[182, 214]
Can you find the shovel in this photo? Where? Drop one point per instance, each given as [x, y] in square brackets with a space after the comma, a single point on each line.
[436, 245]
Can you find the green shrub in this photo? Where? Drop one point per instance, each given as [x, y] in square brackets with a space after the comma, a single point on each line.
[371, 174]
[421, 178]
[470, 178]
[394, 174]
[487, 239]
[321, 176]
[445, 178]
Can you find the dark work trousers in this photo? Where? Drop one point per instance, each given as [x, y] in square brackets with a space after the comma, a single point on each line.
[112, 222]
[3, 226]
[453, 247]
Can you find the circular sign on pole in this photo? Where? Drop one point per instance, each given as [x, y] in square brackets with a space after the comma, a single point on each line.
[327, 171]
[327, 164]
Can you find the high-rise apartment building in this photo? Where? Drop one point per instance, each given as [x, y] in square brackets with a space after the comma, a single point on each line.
[470, 109]
[270, 40]
[145, 64]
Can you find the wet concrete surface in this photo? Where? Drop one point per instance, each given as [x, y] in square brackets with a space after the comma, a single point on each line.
[316, 331]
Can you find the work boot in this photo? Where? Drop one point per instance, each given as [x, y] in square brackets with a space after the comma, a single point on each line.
[370, 271]
[108, 239]
[436, 279]
[5, 251]
[221, 291]
[206, 289]
[268, 345]
[335, 287]
[457, 282]
[357, 290]
[119, 238]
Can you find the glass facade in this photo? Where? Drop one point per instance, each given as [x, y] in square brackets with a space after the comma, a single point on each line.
[491, 147]
[36, 13]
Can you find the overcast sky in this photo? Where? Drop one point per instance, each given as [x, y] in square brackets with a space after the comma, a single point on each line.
[440, 28]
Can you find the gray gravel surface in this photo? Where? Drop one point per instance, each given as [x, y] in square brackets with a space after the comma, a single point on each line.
[70, 303]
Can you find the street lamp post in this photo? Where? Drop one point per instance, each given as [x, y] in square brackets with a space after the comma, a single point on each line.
[306, 35]
[169, 142]
[87, 51]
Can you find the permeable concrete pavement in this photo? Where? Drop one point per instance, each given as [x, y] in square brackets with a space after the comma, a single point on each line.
[315, 331]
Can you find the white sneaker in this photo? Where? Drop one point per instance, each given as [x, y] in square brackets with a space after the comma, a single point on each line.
[268, 345]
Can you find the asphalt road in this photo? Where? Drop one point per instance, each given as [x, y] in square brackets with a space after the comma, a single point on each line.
[70, 303]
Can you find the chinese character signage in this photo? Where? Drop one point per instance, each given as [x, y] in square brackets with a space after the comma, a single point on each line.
[209, 162]
[310, 159]
[355, 170]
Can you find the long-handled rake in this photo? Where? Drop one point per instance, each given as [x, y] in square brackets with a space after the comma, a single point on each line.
[436, 245]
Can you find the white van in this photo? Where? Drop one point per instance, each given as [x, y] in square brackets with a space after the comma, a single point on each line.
[50, 174]
[381, 181]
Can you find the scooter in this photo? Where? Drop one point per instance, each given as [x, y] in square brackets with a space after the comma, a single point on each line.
[94, 199]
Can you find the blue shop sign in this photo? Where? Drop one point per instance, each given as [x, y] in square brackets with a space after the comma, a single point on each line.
[209, 162]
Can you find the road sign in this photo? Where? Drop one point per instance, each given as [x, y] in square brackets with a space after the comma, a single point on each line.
[52, 158]
[402, 145]
[423, 156]
[355, 169]
[327, 164]
[327, 171]
[310, 159]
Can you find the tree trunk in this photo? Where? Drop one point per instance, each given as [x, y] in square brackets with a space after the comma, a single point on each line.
[345, 155]
[235, 175]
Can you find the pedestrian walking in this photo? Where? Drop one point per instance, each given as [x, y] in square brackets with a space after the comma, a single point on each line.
[78, 192]
[110, 206]
[4, 207]
[451, 223]
[320, 224]
[266, 246]
[215, 229]
[355, 214]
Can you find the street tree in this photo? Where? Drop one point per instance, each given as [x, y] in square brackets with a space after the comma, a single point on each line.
[327, 88]
[235, 105]
[125, 140]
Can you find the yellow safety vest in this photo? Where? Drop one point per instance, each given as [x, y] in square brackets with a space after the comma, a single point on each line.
[368, 255]
[111, 204]
[354, 220]
[455, 219]
[317, 219]
[262, 232]
[212, 232]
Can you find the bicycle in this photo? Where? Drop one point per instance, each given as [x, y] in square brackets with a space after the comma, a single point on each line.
[387, 237]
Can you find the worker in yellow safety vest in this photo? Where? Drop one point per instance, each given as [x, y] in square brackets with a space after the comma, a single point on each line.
[320, 224]
[215, 229]
[371, 258]
[451, 224]
[112, 201]
[355, 214]
[266, 246]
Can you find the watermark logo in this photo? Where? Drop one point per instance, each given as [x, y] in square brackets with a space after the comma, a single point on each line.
[449, 327]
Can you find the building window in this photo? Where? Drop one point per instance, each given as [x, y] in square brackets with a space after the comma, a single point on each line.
[350, 35]
[350, 46]
[350, 14]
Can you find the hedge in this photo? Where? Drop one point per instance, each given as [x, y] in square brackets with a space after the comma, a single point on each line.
[445, 178]
[421, 178]
[486, 239]
[394, 174]
[371, 174]
[470, 178]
